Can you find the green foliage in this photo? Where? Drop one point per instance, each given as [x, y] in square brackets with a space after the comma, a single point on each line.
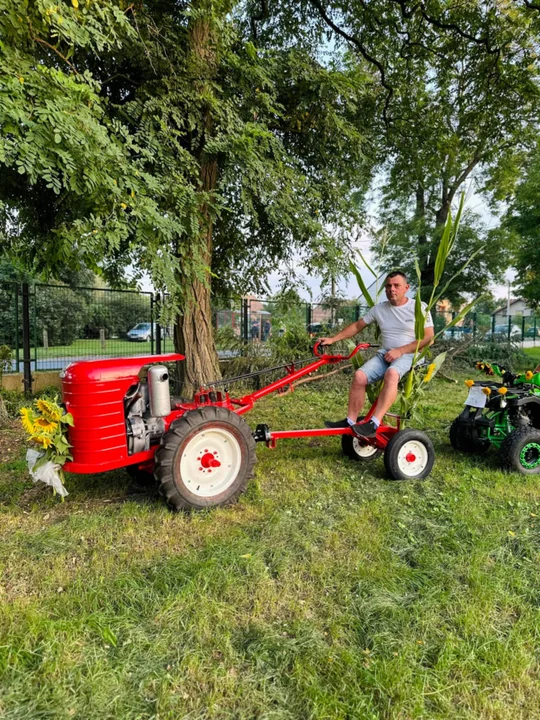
[523, 222]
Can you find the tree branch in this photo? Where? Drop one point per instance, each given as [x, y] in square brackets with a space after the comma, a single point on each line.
[361, 49]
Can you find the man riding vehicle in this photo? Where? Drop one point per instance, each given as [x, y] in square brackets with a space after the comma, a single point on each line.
[396, 319]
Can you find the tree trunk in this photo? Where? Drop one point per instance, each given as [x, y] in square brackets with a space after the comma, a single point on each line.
[193, 334]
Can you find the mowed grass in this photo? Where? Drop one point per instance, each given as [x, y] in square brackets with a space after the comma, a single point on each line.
[533, 353]
[327, 592]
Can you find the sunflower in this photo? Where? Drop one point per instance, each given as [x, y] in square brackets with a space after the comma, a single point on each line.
[486, 391]
[528, 375]
[44, 440]
[469, 383]
[429, 374]
[28, 420]
[45, 425]
[49, 409]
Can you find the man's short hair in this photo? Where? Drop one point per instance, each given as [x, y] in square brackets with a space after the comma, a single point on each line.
[396, 273]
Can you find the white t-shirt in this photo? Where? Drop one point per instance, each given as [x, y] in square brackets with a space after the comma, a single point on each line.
[396, 322]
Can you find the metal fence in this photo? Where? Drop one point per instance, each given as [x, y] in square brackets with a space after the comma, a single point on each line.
[48, 326]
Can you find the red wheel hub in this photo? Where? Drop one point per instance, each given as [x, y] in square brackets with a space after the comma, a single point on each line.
[410, 457]
[209, 461]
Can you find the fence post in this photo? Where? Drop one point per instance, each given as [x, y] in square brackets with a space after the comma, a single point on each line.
[509, 326]
[356, 313]
[157, 304]
[475, 317]
[534, 330]
[245, 330]
[17, 346]
[27, 362]
[522, 328]
[309, 315]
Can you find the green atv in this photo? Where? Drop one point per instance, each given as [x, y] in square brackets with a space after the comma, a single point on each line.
[504, 414]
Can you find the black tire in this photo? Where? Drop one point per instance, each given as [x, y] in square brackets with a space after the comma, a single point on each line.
[520, 451]
[193, 442]
[402, 444]
[358, 450]
[463, 442]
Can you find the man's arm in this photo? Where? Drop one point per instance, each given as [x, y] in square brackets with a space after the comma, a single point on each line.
[392, 355]
[347, 332]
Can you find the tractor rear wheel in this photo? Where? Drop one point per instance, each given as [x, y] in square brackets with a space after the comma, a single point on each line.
[409, 455]
[357, 449]
[205, 459]
[520, 451]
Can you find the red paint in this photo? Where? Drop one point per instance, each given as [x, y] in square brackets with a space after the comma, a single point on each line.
[209, 461]
[410, 457]
[94, 391]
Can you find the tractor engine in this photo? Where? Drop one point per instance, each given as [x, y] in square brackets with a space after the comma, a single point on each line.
[146, 404]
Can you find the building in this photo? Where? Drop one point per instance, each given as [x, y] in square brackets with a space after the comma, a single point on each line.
[518, 306]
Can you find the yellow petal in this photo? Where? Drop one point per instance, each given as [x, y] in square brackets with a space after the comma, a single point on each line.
[469, 383]
[486, 391]
[502, 390]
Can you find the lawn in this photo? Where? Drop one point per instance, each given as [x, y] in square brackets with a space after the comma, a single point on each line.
[533, 353]
[327, 592]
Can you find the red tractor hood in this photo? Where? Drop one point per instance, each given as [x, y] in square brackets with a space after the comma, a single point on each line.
[113, 368]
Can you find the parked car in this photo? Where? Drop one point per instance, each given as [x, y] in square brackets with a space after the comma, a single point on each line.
[454, 334]
[500, 332]
[142, 332]
[532, 332]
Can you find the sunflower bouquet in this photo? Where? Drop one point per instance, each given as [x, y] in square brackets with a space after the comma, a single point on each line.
[46, 423]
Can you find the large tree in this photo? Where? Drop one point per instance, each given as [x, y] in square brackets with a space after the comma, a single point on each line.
[163, 137]
[457, 98]
[522, 221]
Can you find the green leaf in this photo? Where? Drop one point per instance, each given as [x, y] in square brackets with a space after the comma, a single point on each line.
[361, 284]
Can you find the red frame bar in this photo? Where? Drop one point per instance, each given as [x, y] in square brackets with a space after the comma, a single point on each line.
[246, 403]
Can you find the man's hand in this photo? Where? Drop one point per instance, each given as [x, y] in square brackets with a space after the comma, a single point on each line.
[326, 341]
[392, 355]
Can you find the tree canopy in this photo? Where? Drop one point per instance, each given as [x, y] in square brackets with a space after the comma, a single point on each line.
[207, 141]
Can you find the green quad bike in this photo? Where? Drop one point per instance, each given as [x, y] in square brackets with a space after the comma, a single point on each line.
[504, 414]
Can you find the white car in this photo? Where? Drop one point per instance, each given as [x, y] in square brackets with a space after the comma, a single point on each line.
[142, 332]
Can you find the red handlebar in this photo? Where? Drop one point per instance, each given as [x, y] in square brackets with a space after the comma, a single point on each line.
[336, 358]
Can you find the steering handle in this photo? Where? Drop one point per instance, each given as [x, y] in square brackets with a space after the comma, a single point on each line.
[318, 346]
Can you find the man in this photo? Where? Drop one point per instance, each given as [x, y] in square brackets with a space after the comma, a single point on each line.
[395, 318]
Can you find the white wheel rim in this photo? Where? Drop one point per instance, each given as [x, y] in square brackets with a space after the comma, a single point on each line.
[210, 462]
[412, 458]
[362, 449]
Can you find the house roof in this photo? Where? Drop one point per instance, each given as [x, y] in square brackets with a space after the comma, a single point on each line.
[513, 301]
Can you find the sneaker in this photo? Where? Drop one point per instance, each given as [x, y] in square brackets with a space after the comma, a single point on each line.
[365, 429]
[337, 424]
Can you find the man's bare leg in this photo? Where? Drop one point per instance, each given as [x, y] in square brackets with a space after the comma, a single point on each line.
[388, 394]
[357, 394]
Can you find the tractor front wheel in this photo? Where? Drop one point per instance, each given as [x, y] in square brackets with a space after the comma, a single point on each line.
[205, 459]
[520, 451]
[409, 455]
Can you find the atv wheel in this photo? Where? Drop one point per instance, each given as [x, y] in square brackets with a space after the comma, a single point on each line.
[205, 459]
[464, 442]
[520, 451]
[357, 449]
[409, 455]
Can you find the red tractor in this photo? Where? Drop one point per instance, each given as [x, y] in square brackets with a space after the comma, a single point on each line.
[202, 453]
